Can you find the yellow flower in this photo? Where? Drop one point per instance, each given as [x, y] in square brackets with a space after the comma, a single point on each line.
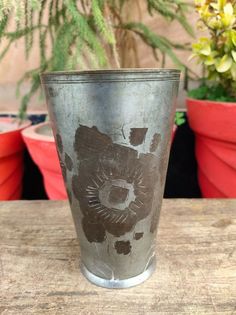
[228, 17]
[223, 64]
[215, 22]
[211, 59]
[218, 51]
[205, 12]
[233, 71]
[200, 2]
[233, 52]
[202, 47]
[233, 36]
[219, 5]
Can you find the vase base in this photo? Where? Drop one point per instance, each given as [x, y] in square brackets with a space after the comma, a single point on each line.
[116, 283]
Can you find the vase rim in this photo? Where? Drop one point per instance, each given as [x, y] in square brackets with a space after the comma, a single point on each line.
[130, 74]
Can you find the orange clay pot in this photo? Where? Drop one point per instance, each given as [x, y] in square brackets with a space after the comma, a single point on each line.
[11, 158]
[41, 145]
[214, 124]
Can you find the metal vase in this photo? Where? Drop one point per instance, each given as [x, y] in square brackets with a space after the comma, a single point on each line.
[113, 131]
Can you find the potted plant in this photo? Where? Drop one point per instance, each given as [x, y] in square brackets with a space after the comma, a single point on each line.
[83, 35]
[41, 145]
[212, 107]
[11, 157]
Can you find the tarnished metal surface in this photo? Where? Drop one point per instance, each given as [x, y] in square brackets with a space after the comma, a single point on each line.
[113, 131]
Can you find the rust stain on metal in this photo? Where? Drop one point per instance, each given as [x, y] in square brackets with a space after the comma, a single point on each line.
[89, 140]
[138, 236]
[59, 143]
[123, 247]
[137, 136]
[68, 161]
[93, 231]
[118, 194]
[115, 186]
[63, 169]
[155, 141]
[52, 92]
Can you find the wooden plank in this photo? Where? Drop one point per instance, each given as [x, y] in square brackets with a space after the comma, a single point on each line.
[196, 272]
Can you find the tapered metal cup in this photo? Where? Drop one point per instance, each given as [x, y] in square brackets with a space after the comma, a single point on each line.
[113, 131]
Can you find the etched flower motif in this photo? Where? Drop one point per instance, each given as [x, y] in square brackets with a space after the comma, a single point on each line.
[115, 185]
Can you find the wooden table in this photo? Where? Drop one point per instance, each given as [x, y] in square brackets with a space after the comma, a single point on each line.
[196, 272]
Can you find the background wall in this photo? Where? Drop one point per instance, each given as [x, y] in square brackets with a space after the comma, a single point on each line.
[14, 64]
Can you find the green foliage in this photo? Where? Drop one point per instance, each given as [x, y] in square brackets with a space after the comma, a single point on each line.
[83, 34]
[213, 93]
[179, 118]
[217, 52]
[156, 41]
[100, 22]
[168, 9]
[84, 30]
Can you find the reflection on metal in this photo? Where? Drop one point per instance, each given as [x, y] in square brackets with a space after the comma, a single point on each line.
[113, 131]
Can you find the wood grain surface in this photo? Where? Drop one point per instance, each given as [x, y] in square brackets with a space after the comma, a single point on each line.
[196, 271]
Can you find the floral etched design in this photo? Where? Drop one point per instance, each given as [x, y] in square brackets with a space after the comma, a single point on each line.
[123, 247]
[115, 185]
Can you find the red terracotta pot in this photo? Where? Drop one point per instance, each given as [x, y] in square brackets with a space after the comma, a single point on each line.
[214, 124]
[41, 145]
[11, 158]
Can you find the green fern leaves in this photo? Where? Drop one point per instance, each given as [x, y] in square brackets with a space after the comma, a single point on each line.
[73, 34]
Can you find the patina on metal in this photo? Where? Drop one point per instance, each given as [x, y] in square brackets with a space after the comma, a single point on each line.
[113, 131]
